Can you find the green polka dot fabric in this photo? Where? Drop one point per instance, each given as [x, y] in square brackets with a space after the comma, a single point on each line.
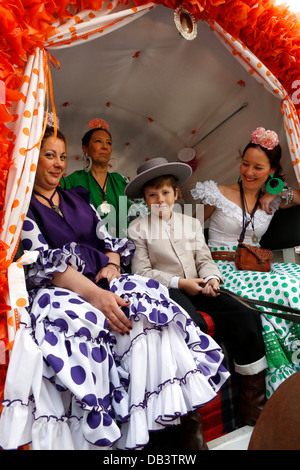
[281, 337]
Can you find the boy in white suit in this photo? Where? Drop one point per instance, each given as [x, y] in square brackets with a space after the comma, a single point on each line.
[170, 248]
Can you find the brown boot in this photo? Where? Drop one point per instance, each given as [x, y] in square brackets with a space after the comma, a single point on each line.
[167, 440]
[191, 429]
[252, 397]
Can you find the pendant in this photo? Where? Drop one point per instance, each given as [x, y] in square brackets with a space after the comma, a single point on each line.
[254, 238]
[57, 209]
[105, 207]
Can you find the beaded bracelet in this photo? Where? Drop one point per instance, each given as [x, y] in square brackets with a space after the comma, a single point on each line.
[287, 195]
[115, 265]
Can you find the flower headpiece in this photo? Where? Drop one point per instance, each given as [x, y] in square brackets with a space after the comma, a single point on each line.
[50, 120]
[98, 123]
[267, 139]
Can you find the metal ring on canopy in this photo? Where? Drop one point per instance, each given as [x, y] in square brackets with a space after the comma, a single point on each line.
[185, 23]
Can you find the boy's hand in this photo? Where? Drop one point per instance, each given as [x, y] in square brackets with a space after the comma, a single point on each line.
[196, 286]
[211, 287]
[191, 286]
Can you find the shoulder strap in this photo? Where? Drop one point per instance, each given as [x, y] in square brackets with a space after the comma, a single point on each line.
[287, 313]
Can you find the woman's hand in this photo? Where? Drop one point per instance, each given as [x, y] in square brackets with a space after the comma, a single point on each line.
[265, 202]
[110, 305]
[107, 302]
[110, 272]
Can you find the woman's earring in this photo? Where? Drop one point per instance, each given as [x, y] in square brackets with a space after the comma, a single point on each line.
[274, 185]
[87, 163]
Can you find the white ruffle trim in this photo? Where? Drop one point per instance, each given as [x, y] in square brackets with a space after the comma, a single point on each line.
[19, 428]
[52, 261]
[209, 193]
[171, 385]
[174, 368]
[164, 409]
[16, 424]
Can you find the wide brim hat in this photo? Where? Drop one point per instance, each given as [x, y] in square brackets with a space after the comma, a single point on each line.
[154, 168]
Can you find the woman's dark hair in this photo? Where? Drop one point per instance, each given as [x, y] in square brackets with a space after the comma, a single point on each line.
[87, 136]
[49, 132]
[273, 155]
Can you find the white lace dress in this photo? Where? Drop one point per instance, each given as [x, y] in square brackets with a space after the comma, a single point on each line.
[280, 285]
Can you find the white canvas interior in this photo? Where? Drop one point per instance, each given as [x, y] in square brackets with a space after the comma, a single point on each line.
[160, 93]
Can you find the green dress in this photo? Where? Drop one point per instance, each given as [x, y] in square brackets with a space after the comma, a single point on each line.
[122, 209]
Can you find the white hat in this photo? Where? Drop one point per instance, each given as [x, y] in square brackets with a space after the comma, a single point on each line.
[153, 168]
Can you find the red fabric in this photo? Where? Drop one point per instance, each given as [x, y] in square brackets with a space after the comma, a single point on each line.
[210, 323]
[213, 425]
[211, 413]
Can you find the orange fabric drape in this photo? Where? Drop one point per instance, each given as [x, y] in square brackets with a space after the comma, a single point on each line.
[265, 77]
[29, 122]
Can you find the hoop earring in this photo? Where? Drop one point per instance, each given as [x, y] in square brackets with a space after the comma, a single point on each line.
[87, 163]
[274, 185]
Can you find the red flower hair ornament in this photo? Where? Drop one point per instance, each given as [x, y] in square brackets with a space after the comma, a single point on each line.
[98, 123]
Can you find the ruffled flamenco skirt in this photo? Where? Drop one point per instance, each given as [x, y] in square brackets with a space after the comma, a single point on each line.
[281, 337]
[73, 384]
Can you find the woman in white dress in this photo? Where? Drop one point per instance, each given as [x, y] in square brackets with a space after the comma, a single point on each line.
[237, 210]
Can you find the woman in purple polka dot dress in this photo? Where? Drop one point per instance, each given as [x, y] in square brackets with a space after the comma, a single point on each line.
[101, 358]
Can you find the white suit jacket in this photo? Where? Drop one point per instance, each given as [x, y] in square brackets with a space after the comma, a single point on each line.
[168, 249]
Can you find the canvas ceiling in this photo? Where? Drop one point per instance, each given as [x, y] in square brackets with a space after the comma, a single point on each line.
[160, 93]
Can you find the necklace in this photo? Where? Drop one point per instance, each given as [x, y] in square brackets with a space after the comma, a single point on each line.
[245, 210]
[104, 206]
[55, 207]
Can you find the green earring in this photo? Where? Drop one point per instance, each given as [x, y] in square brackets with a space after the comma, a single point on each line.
[274, 185]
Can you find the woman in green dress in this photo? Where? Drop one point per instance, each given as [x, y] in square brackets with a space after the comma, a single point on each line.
[106, 188]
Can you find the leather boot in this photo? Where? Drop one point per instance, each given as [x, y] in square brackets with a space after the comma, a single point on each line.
[252, 397]
[167, 440]
[187, 436]
[191, 429]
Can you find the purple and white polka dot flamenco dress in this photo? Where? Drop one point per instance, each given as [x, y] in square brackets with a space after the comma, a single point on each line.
[73, 384]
